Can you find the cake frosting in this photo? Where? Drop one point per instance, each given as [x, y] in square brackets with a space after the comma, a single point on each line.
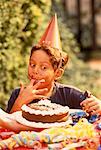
[45, 111]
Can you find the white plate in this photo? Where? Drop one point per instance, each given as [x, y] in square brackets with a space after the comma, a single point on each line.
[21, 120]
[75, 110]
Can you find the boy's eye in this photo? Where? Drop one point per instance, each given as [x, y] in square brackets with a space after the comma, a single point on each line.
[44, 67]
[32, 65]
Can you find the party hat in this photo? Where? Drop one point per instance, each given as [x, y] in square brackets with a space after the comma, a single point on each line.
[51, 35]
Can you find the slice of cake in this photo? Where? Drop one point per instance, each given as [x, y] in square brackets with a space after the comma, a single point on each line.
[45, 111]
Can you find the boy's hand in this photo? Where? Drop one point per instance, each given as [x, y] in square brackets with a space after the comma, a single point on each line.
[92, 105]
[29, 93]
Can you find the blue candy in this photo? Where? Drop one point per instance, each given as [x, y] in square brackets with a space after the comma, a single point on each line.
[99, 126]
[93, 118]
[77, 115]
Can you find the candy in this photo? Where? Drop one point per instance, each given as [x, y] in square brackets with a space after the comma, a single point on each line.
[30, 139]
[99, 126]
[81, 131]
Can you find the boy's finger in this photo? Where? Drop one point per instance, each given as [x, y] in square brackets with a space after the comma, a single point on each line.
[86, 101]
[90, 107]
[21, 83]
[21, 87]
[40, 97]
[41, 91]
[93, 108]
[91, 104]
[39, 83]
[32, 82]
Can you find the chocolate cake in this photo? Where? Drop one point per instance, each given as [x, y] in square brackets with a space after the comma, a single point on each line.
[45, 111]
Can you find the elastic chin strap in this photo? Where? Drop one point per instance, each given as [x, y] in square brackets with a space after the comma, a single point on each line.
[60, 63]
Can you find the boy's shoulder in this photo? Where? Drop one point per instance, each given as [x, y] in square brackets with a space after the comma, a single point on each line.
[65, 86]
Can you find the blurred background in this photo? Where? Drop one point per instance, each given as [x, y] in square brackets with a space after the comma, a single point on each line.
[23, 22]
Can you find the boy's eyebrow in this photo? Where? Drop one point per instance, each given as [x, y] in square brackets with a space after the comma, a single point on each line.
[45, 62]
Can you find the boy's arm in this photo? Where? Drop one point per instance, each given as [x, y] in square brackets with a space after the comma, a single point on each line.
[17, 105]
[12, 99]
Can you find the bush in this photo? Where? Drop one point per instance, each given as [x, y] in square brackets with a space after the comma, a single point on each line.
[20, 28]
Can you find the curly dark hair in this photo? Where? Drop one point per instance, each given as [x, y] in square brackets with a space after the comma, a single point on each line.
[58, 58]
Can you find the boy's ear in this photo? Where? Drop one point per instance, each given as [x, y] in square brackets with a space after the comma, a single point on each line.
[58, 74]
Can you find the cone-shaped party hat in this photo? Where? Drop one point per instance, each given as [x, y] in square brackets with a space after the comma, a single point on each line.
[51, 35]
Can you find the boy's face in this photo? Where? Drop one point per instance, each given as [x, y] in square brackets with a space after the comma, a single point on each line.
[40, 67]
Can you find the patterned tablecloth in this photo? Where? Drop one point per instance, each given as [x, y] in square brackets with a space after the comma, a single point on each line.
[83, 131]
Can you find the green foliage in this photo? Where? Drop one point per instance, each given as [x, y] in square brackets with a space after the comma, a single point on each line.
[21, 24]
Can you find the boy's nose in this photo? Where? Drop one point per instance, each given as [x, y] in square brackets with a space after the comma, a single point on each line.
[35, 70]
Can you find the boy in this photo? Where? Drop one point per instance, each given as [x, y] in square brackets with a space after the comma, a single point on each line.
[46, 65]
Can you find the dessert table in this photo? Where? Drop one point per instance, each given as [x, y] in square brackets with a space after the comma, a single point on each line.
[73, 136]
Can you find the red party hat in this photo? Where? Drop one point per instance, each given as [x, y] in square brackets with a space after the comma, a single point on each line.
[51, 36]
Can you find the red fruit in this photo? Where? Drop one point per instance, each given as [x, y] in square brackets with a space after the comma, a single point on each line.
[5, 135]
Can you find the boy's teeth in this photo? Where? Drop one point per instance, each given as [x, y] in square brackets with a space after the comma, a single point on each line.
[36, 81]
[43, 80]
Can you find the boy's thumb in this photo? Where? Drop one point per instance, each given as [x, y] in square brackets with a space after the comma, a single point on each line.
[21, 87]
